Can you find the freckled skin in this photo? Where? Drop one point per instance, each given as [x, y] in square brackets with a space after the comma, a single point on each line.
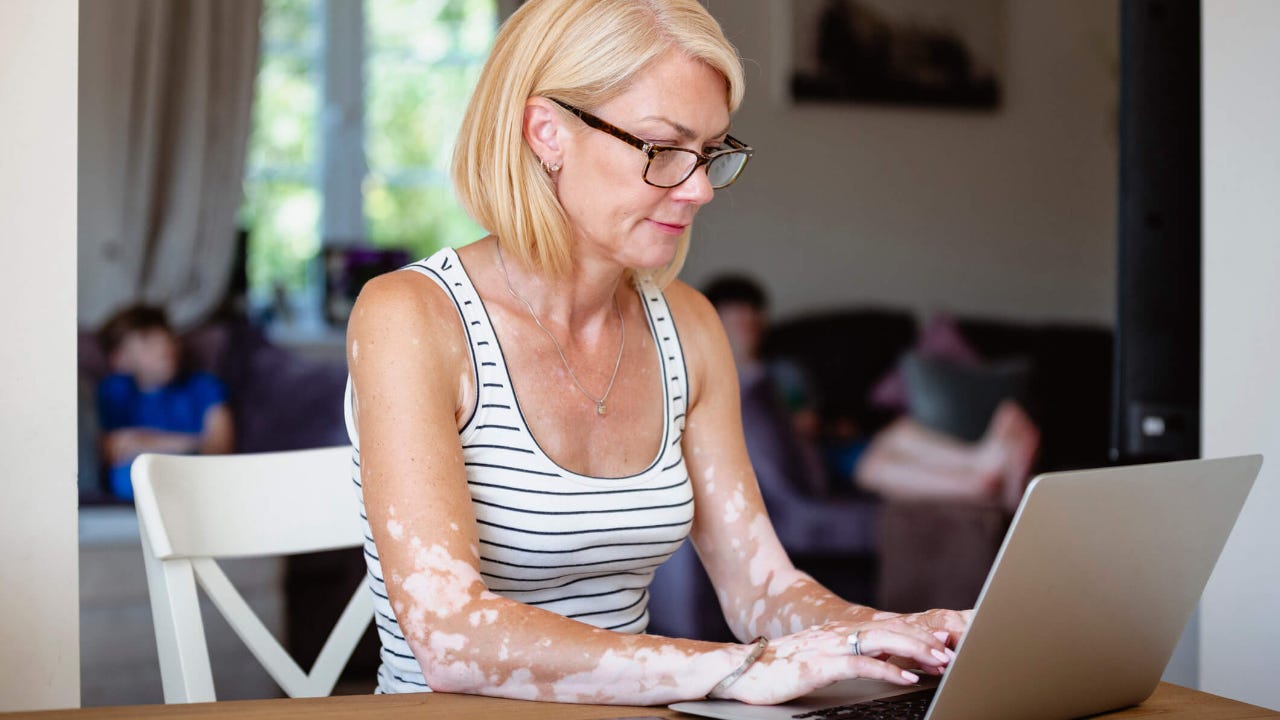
[413, 397]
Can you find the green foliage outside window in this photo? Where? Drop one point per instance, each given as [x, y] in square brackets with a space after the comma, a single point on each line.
[282, 202]
[422, 59]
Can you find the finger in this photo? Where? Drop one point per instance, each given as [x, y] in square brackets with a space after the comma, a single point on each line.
[957, 624]
[872, 669]
[924, 634]
[882, 642]
[953, 623]
[945, 637]
[908, 664]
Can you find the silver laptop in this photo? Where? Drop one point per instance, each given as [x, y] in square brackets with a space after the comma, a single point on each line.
[1097, 576]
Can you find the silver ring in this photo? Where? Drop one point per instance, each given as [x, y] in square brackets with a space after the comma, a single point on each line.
[855, 644]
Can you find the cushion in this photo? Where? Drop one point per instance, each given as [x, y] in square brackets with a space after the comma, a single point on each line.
[959, 399]
[940, 339]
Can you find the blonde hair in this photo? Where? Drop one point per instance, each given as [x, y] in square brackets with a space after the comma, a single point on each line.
[585, 53]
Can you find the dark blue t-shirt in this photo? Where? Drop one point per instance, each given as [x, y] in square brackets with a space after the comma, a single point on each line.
[179, 406]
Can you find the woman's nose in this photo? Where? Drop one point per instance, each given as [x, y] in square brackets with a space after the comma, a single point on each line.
[696, 188]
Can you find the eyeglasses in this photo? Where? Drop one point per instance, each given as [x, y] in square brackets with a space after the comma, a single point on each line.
[669, 166]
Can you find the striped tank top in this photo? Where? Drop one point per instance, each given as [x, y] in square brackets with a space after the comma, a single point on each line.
[584, 547]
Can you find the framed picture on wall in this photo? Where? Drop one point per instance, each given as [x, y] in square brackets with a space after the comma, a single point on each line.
[935, 53]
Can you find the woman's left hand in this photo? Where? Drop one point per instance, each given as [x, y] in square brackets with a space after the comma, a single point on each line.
[949, 626]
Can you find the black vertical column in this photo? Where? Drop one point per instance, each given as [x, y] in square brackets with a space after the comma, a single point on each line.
[1156, 411]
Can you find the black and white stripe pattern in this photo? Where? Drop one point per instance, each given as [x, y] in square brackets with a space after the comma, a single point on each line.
[580, 546]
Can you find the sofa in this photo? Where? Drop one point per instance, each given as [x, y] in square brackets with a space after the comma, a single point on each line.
[901, 556]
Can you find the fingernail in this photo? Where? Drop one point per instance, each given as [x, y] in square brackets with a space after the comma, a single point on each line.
[910, 677]
[952, 653]
[941, 635]
[940, 655]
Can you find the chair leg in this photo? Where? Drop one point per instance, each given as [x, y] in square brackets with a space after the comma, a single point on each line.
[184, 656]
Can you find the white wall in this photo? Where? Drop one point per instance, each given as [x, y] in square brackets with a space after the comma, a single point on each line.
[39, 633]
[1009, 213]
[1239, 631]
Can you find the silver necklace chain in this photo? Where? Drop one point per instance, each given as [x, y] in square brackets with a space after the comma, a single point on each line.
[622, 326]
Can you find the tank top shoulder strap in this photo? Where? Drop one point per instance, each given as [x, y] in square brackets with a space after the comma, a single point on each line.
[670, 356]
[489, 370]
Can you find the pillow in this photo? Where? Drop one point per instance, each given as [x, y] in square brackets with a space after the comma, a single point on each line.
[941, 340]
[959, 399]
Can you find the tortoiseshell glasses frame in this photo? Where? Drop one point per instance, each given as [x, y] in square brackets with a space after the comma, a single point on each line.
[669, 166]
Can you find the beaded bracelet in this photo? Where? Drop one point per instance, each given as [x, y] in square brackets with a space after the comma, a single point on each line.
[760, 644]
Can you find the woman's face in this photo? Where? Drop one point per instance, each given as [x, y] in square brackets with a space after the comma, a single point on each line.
[616, 215]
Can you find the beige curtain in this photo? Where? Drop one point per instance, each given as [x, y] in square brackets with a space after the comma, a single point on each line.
[166, 88]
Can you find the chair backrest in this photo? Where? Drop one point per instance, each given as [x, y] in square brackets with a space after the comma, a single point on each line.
[195, 509]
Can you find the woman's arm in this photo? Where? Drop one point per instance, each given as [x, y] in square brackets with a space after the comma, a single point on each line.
[411, 373]
[760, 590]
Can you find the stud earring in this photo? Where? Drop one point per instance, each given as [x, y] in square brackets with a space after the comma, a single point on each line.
[549, 167]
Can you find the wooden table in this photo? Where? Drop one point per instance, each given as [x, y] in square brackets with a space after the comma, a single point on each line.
[1170, 702]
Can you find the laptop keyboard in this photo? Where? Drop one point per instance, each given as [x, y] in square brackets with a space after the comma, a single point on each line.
[911, 706]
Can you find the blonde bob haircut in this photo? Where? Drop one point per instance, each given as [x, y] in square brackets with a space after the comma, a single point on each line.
[585, 53]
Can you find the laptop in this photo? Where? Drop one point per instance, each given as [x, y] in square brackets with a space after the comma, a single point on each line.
[1097, 577]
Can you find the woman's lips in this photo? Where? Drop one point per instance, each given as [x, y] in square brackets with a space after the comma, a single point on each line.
[669, 228]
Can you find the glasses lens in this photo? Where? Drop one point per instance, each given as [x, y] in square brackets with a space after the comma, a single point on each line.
[724, 169]
[670, 166]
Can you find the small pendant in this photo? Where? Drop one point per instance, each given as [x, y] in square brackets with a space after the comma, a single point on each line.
[600, 407]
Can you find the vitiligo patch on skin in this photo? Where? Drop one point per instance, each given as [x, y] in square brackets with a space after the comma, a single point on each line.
[518, 685]
[488, 617]
[440, 585]
[664, 672]
[443, 643]
[395, 529]
[735, 506]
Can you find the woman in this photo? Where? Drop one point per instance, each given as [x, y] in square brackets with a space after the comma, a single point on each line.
[540, 418]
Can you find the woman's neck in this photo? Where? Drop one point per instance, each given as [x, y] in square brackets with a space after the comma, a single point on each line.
[581, 301]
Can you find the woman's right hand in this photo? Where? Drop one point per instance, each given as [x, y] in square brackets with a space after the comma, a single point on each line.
[797, 664]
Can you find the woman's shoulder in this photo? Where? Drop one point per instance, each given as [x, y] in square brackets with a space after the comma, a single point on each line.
[407, 314]
[701, 334]
[406, 295]
[690, 307]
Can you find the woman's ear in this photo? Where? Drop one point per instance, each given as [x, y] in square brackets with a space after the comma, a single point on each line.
[543, 130]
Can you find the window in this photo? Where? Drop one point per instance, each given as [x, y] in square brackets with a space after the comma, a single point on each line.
[421, 71]
[282, 199]
[355, 114]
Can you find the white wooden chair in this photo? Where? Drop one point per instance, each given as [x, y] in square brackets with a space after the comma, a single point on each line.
[193, 510]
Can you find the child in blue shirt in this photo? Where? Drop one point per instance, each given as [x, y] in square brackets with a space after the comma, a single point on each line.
[148, 404]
